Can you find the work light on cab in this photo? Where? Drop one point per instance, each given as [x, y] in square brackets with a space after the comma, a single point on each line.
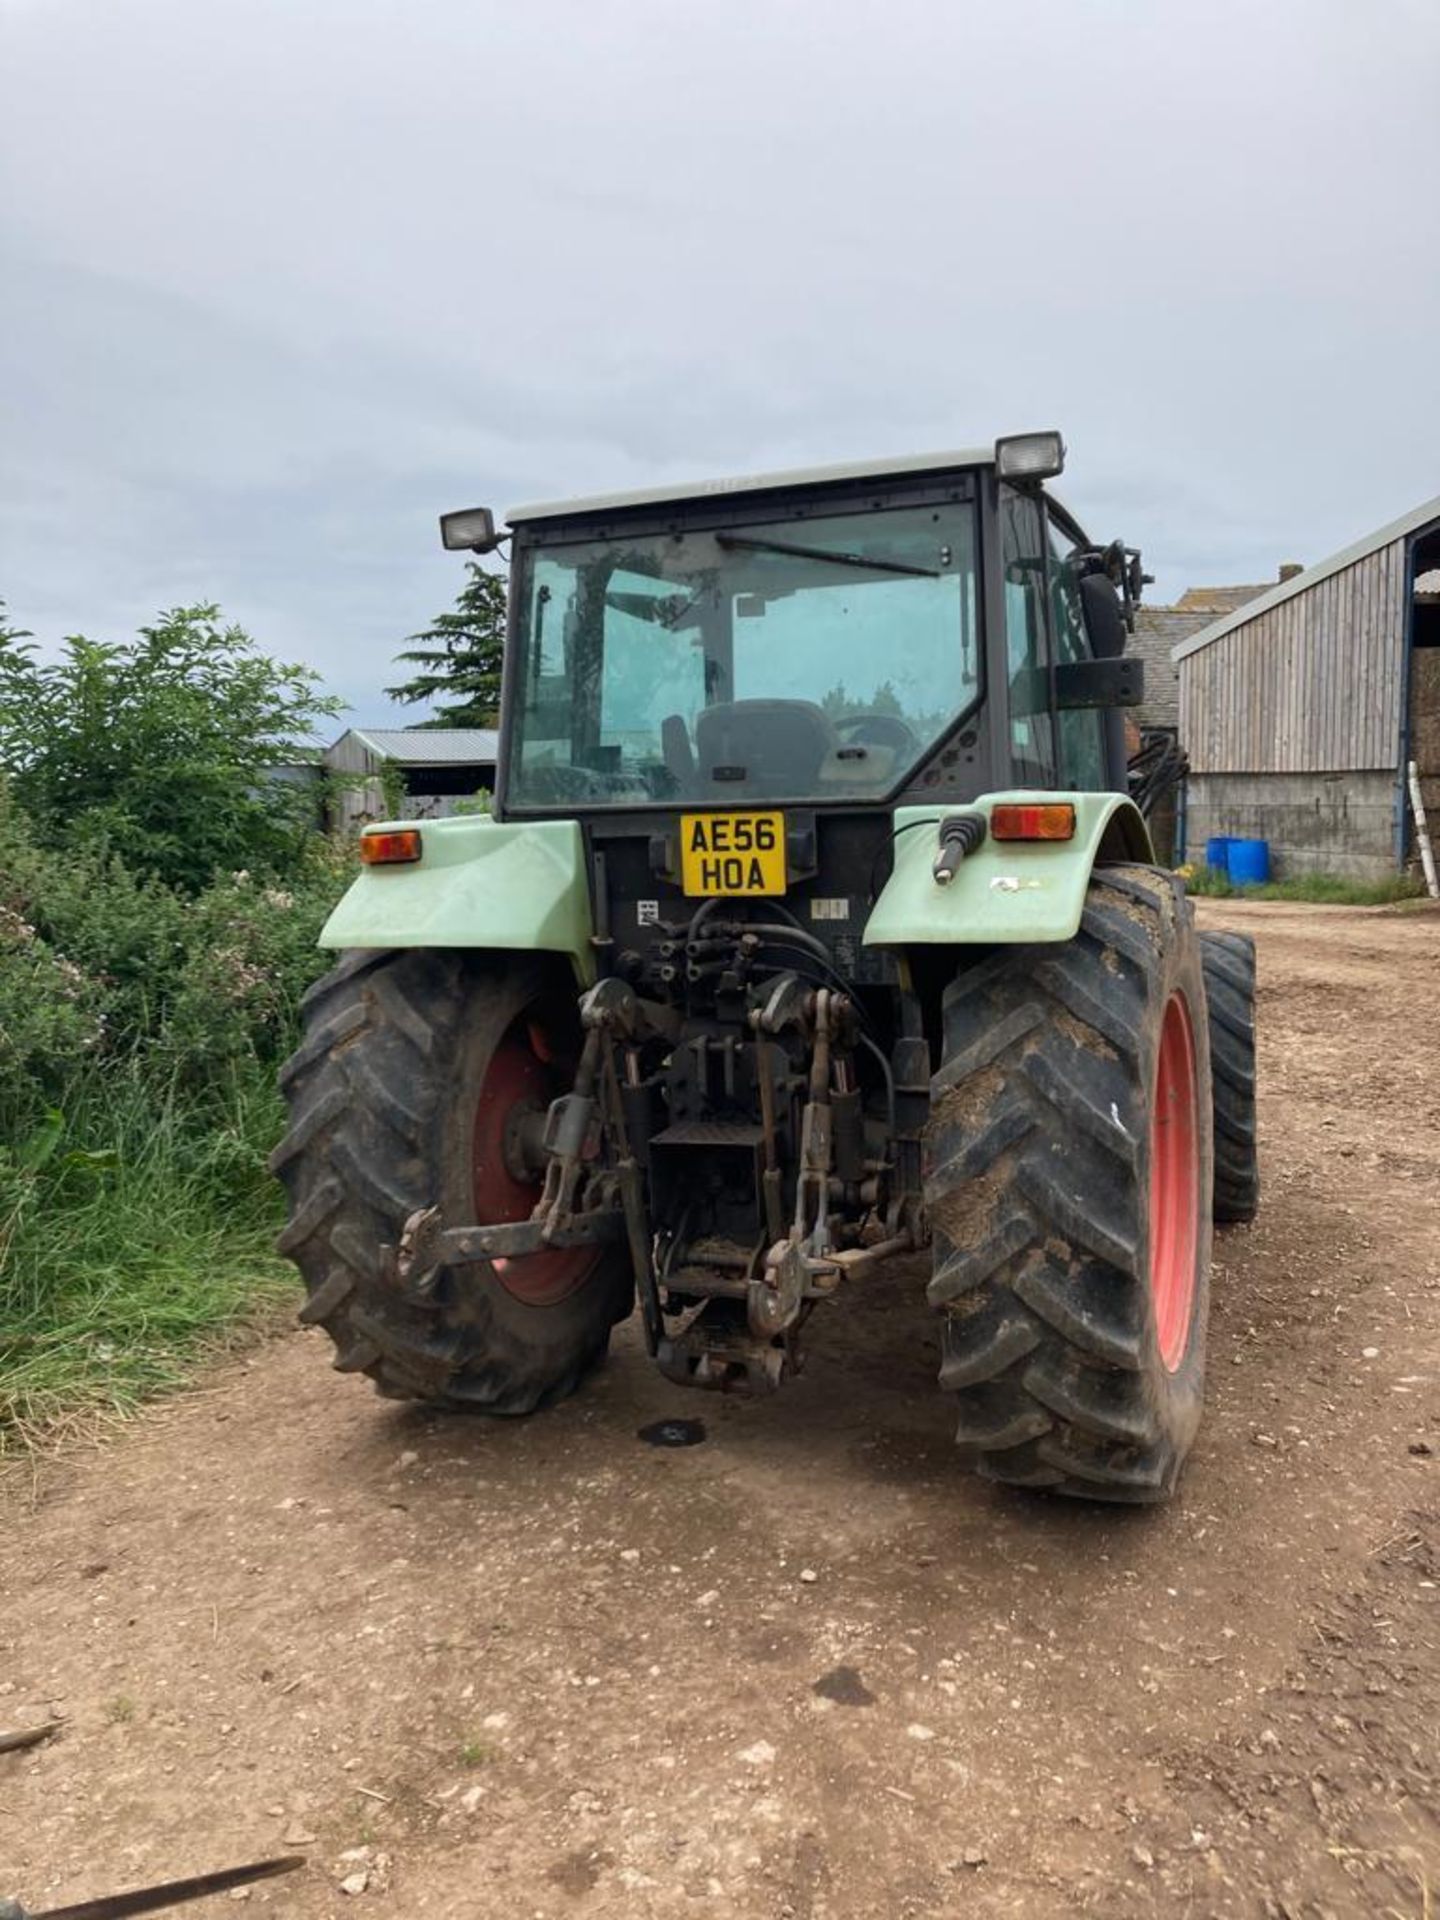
[1030, 456]
[471, 530]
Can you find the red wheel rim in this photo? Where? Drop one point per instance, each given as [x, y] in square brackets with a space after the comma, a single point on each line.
[517, 1081]
[1174, 1184]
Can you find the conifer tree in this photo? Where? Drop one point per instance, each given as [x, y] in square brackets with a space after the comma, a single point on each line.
[459, 656]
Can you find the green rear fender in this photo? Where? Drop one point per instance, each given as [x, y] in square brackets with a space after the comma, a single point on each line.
[521, 886]
[479, 883]
[1006, 892]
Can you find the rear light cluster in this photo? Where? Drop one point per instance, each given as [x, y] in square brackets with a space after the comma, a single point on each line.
[1048, 821]
[389, 846]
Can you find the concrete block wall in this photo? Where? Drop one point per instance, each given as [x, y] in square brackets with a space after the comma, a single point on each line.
[1341, 823]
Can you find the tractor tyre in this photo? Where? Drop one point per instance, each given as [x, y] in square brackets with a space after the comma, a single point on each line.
[1229, 960]
[1068, 1167]
[406, 1092]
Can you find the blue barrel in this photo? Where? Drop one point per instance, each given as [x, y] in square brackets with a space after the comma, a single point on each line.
[1217, 854]
[1249, 862]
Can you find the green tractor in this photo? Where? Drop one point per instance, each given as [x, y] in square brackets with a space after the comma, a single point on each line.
[813, 925]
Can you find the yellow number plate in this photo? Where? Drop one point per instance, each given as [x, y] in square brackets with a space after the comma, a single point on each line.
[732, 853]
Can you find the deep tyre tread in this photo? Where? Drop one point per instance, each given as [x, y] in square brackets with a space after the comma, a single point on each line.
[1229, 962]
[1038, 1192]
[381, 1092]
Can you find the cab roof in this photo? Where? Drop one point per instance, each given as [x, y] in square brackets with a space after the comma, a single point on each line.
[756, 483]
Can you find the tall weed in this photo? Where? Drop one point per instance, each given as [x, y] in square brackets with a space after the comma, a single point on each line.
[137, 1232]
[140, 1030]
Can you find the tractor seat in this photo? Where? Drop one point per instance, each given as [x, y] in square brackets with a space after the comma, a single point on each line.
[781, 744]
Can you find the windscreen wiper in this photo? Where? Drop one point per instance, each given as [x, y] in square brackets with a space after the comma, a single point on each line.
[730, 541]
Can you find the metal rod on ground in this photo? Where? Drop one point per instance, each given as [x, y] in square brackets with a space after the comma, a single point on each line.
[119, 1906]
[1422, 834]
[27, 1737]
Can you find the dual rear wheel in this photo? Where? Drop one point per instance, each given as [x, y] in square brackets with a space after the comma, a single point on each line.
[1229, 962]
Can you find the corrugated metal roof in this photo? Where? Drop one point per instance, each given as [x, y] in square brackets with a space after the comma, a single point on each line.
[1408, 523]
[758, 483]
[431, 746]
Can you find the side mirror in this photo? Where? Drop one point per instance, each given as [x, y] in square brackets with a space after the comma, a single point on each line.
[1105, 623]
[1116, 682]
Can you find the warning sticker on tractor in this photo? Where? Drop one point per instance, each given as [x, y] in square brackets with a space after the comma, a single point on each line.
[732, 854]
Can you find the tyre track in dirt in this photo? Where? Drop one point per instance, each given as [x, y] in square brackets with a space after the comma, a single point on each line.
[542, 1668]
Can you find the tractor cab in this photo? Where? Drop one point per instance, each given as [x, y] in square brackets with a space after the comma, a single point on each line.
[838, 638]
[737, 689]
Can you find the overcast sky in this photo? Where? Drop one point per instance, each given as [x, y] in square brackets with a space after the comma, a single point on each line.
[282, 279]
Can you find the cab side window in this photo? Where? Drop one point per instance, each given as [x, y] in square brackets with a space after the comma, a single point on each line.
[1082, 730]
[1022, 557]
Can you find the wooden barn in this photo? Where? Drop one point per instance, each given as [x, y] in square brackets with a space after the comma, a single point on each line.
[1160, 629]
[437, 767]
[1301, 709]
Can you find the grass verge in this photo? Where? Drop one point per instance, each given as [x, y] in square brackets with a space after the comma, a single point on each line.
[1319, 889]
[137, 1240]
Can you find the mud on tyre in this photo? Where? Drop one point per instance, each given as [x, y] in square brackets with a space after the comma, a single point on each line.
[404, 1094]
[1068, 1175]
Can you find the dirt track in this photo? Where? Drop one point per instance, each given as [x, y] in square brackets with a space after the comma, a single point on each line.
[806, 1668]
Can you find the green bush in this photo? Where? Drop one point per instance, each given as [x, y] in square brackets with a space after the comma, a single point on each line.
[249, 954]
[164, 749]
[51, 1018]
[161, 893]
[99, 967]
[122, 935]
[140, 1030]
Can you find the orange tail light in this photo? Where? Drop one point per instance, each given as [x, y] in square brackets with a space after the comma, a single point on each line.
[389, 847]
[1051, 820]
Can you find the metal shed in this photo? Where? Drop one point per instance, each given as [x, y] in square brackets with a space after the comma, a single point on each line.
[440, 767]
[1300, 710]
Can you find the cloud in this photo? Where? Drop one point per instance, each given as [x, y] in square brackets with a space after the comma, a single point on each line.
[282, 283]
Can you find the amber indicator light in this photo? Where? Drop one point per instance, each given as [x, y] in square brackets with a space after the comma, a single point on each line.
[390, 849]
[1053, 821]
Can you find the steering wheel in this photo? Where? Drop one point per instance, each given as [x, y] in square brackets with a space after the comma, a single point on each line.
[877, 730]
[553, 786]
